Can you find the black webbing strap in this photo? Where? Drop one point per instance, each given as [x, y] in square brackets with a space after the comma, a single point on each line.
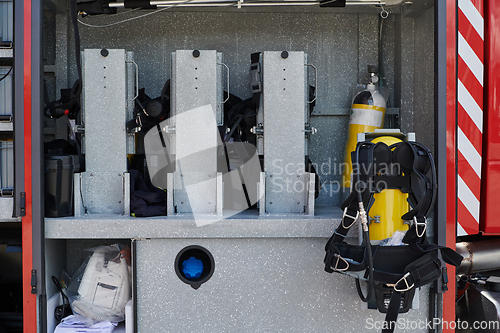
[420, 272]
[392, 313]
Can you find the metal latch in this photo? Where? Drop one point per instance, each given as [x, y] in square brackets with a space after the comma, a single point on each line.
[257, 130]
[33, 281]
[169, 129]
[22, 203]
[79, 129]
[309, 130]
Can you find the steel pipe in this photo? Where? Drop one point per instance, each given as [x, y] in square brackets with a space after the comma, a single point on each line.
[479, 256]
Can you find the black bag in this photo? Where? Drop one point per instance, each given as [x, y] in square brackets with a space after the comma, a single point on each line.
[146, 200]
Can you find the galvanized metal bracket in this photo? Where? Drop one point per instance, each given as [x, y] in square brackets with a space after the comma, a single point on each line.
[22, 203]
[33, 281]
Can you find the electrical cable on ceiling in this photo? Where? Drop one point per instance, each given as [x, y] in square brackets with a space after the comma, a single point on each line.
[132, 18]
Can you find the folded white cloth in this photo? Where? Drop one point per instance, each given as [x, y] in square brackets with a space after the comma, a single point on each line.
[71, 324]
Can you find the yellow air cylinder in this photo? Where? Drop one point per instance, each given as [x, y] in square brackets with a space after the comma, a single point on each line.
[389, 206]
[367, 114]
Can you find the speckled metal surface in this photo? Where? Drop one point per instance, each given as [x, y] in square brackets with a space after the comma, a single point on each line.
[6, 209]
[105, 111]
[258, 285]
[105, 95]
[243, 225]
[104, 192]
[424, 93]
[194, 88]
[330, 40]
[284, 102]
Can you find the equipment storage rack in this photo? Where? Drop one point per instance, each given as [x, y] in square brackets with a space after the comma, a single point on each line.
[269, 272]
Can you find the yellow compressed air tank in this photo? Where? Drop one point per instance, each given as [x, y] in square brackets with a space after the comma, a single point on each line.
[385, 213]
[367, 114]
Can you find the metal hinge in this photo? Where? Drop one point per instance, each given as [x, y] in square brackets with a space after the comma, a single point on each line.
[22, 203]
[33, 281]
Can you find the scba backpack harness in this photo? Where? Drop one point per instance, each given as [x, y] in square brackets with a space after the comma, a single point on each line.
[404, 166]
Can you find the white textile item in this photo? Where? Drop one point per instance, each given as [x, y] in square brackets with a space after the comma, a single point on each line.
[71, 324]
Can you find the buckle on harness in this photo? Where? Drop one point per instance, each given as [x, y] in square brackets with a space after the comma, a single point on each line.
[337, 263]
[404, 278]
[417, 224]
[353, 218]
[255, 81]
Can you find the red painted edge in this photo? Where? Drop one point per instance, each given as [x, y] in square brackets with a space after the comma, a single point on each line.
[29, 300]
[451, 171]
[489, 223]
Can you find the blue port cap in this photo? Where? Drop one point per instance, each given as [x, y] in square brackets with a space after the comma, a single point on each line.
[192, 268]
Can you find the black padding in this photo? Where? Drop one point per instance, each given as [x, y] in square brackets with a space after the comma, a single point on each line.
[404, 155]
[382, 155]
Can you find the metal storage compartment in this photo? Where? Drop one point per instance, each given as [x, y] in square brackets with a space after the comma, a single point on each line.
[7, 19]
[5, 91]
[268, 268]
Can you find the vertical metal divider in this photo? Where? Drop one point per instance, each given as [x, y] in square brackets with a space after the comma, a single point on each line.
[133, 247]
[37, 105]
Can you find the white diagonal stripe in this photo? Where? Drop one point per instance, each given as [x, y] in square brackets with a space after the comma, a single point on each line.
[460, 230]
[473, 15]
[470, 58]
[469, 151]
[470, 106]
[468, 198]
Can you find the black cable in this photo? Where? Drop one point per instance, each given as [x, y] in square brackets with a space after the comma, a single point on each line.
[64, 297]
[3, 77]
[231, 132]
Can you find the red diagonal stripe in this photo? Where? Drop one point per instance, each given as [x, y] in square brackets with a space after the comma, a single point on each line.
[469, 176]
[470, 82]
[479, 4]
[470, 129]
[466, 220]
[471, 36]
